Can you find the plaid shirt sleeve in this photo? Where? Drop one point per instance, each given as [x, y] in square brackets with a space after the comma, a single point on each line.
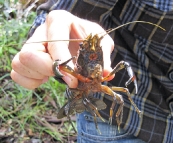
[147, 48]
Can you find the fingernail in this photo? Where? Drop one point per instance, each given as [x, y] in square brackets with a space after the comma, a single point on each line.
[70, 81]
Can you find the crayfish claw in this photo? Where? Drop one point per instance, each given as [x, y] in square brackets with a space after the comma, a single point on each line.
[56, 65]
[55, 69]
[68, 60]
[131, 75]
[132, 79]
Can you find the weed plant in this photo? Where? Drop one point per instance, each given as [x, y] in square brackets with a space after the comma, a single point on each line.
[26, 115]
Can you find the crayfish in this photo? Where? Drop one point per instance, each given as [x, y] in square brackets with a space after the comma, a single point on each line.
[89, 74]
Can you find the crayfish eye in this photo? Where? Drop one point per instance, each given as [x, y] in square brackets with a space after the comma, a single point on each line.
[81, 44]
[84, 45]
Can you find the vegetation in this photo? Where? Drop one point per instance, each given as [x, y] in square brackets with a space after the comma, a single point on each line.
[26, 116]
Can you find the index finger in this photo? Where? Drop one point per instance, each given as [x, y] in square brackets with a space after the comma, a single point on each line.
[58, 25]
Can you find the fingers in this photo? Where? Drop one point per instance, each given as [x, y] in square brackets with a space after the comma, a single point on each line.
[31, 68]
[33, 64]
[37, 61]
[58, 24]
[59, 27]
[24, 70]
[26, 82]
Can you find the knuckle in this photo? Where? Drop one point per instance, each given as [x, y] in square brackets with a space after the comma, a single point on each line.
[25, 57]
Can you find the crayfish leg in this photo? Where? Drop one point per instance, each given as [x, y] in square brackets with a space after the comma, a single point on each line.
[117, 68]
[131, 75]
[70, 121]
[121, 65]
[111, 110]
[116, 98]
[119, 121]
[125, 90]
[93, 110]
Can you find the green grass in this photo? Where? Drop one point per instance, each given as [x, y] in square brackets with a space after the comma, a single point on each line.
[27, 115]
[23, 110]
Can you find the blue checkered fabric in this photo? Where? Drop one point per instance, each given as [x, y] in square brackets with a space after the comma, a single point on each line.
[147, 48]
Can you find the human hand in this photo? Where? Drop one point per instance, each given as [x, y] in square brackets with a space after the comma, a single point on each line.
[32, 66]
